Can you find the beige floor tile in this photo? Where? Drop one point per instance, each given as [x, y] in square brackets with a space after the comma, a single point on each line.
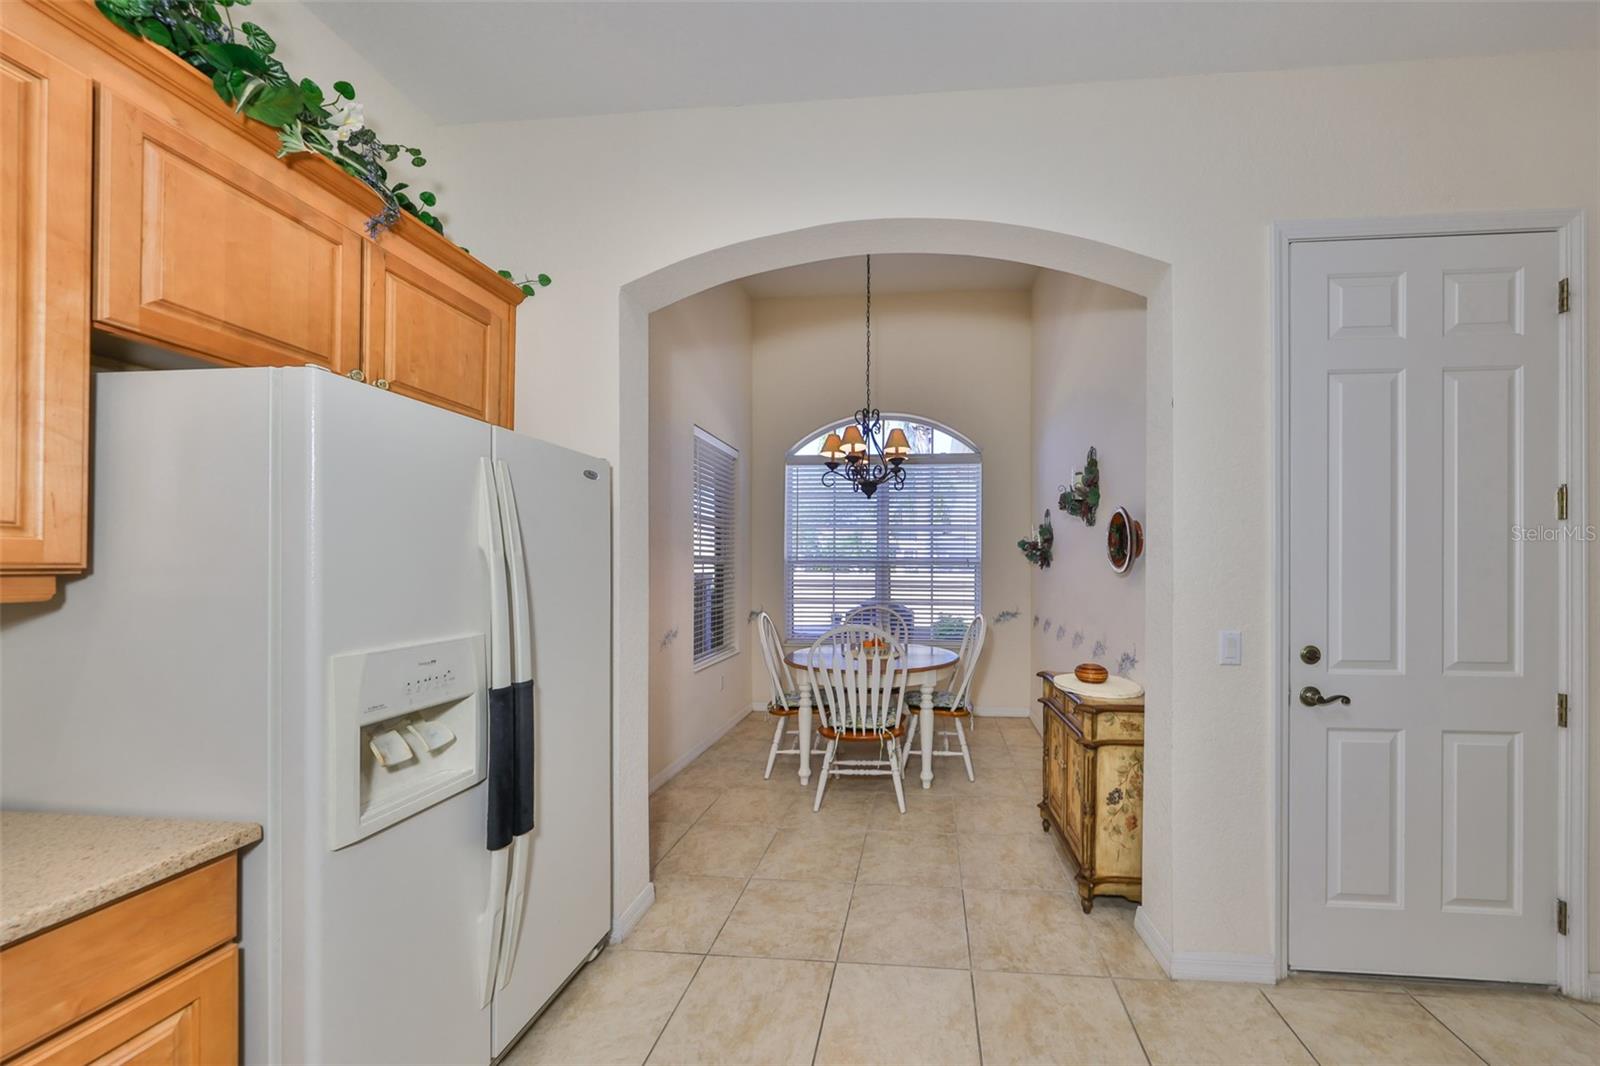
[998, 814]
[925, 812]
[747, 1011]
[717, 851]
[839, 811]
[663, 835]
[1030, 932]
[1196, 1023]
[921, 926]
[1046, 1018]
[910, 859]
[686, 915]
[751, 806]
[787, 920]
[898, 1014]
[1012, 860]
[1519, 1029]
[1121, 948]
[673, 802]
[1368, 1027]
[819, 854]
[1591, 1009]
[611, 1013]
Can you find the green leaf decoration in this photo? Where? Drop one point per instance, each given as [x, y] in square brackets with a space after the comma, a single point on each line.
[527, 290]
[276, 104]
[151, 30]
[345, 89]
[504, 274]
[312, 92]
[428, 198]
[418, 161]
[128, 9]
[259, 38]
[544, 279]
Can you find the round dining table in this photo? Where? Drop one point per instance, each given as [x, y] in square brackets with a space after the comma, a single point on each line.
[925, 660]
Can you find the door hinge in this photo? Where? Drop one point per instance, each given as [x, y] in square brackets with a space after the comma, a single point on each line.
[1563, 296]
[1561, 709]
[1561, 916]
[1561, 502]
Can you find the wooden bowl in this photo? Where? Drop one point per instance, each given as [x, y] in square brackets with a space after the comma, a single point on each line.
[1091, 673]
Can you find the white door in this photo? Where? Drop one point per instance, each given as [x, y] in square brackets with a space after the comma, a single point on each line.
[563, 504]
[1422, 813]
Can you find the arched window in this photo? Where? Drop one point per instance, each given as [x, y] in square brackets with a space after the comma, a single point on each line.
[920, 547]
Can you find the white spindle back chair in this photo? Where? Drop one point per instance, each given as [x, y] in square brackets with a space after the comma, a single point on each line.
[894, 618]
[785, 704]
[955, 703]
[861, 693]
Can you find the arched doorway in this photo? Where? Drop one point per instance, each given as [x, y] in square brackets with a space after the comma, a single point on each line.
[1147, 277]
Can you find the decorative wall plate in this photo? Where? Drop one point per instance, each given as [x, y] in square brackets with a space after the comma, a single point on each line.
[1124, 540]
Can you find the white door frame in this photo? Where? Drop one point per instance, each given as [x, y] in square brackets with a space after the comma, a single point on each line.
[1572, 582]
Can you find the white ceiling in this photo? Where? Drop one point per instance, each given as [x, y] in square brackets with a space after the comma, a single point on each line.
[891, 273]
[471, 61]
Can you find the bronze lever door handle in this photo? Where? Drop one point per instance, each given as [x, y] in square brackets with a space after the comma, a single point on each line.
[1312, 696]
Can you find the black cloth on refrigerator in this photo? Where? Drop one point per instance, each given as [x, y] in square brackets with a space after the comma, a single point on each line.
[504, 778]
[522, 700]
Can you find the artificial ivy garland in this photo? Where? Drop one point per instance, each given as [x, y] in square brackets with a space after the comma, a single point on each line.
[249, 77]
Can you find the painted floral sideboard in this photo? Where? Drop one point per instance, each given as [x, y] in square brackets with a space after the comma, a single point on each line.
[1094, 787]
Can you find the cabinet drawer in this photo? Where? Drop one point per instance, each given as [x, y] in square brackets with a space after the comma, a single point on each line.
[190, 1018]
[199, 252]
[53, 979]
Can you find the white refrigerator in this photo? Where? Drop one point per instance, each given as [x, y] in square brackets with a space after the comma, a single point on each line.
[383, 631]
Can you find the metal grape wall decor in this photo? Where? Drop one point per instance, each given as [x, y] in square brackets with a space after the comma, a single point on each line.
[1040, 548]
[1083, 498]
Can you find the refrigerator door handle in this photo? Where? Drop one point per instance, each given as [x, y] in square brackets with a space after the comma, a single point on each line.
[491, 923]
[523, 697]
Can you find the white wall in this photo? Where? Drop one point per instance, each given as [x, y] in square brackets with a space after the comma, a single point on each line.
[960, 358]
[699, 376]
[1188, 171]
[1088, 390]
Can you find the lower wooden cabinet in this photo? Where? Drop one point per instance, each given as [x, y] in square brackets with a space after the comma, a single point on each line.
[46, 111]
[1094, 788]
[188, 1019]
[150, 978]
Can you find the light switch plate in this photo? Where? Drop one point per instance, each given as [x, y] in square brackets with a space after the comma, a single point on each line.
[1230, 647]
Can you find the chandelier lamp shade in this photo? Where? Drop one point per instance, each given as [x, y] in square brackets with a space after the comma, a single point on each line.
[860, 454]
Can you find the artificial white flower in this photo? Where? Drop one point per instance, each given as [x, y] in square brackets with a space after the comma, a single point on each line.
[350, 120]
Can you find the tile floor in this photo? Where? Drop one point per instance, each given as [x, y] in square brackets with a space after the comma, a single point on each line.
[951, 934]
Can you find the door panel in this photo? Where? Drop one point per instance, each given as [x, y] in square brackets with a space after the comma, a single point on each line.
[1423, 418]
[45, 158]
[196, 251]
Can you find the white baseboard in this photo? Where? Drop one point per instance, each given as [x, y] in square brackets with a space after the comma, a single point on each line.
[695, 752]
[622, 924]
[1204, 965]
[1592, 993]
[1153, 940]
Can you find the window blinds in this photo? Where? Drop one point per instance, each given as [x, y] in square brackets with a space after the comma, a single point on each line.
[919, 547]
[715, 465]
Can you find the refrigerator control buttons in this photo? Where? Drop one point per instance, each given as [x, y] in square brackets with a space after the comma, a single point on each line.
[390, 748]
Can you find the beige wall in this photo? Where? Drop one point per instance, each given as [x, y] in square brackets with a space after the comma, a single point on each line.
[1088, 390]
[1189, 172]
[960, 358]
[699, 376]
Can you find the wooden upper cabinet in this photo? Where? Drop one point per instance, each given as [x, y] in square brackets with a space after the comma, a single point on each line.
[433, 335]
[213, 253]
[46, 113]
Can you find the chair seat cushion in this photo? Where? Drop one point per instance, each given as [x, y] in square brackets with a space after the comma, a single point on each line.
[943, 700]
[791, 703]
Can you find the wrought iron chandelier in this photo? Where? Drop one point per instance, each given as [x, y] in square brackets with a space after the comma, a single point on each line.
[861, 455]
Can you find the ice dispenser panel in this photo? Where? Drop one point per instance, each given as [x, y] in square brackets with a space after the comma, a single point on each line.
[406, 730]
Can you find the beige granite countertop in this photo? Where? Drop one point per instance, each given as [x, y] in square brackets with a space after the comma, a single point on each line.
[57, 866]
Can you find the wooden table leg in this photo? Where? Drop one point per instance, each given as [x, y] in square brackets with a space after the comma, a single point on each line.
[805, 735]
[925, 727]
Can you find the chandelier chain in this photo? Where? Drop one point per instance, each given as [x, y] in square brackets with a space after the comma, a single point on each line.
[869, 332]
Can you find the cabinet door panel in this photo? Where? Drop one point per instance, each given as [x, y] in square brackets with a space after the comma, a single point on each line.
[198, 252]
[189, 1019]
[45, 158]
[435, 337]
